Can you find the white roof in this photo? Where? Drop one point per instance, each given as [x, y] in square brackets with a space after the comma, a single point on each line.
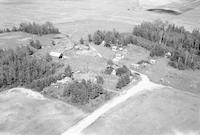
[55, 54]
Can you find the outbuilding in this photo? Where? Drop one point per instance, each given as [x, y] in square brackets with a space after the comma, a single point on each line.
[56, 54]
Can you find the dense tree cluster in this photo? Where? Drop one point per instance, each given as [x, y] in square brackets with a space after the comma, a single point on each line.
[159, 38]
[124, 77]
[184, 45]
[34, 28]
[82, 92]
[123, 81]
[20, 68]
[183, 59]
[123, 70]
[158, 50]
[113, 37]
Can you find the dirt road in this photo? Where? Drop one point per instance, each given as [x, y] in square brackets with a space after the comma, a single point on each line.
[144, 84]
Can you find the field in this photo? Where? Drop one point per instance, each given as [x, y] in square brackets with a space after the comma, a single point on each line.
[161, 72]
[12, 40]
[93, 14]
[163, 111]
[24, 112]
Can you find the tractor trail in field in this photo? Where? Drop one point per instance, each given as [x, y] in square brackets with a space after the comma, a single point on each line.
[144, 84]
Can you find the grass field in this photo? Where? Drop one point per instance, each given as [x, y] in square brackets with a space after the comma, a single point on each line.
[164, 111]
[15, 39]
[26, 113]
[161, 72]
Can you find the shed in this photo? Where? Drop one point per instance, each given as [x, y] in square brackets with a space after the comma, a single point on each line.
[152, 61]
[114, 48]
[56, 54]
[135, 66]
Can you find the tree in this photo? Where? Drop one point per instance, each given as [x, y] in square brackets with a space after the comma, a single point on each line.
[123, 81]
[48, 57]
[90, 38]
[122, 70]
[81, 41]
[35, 44]
[68, 71]
[110, 63]
[100, 80]
[98, 37]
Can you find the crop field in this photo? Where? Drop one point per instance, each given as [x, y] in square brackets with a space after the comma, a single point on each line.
[83, 13]
[177, 7]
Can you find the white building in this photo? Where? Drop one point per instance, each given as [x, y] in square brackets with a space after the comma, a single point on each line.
[152, 61]
[56, 54]
[114, 48]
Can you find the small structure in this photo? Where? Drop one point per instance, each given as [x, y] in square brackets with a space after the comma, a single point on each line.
[114, 48]
[103, 43]
[119, 56]
[125, 50]
[144, 65]
[61, 56]
[121, 49]
[113, 72]
[115, 60]
[82, 47]
[135, 66]
[168, 54]
[86, 76]
[152, 61]
[65, 80]
[56, 54]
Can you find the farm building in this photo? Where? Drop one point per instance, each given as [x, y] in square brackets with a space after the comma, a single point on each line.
[56, 54]
[114, 48]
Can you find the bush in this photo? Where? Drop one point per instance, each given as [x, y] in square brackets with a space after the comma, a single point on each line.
[110, 63]
[90, 38]
[35, 44]
[173, 64]
[122, 70]
[98, 37]
[158, 50]
[68, 71]
[100, 80]
[48, 57]
[123, 81]
[81, 41]
[129, 39]
[82, 92]
[39, 29]
[18, 68]
[108, 70]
